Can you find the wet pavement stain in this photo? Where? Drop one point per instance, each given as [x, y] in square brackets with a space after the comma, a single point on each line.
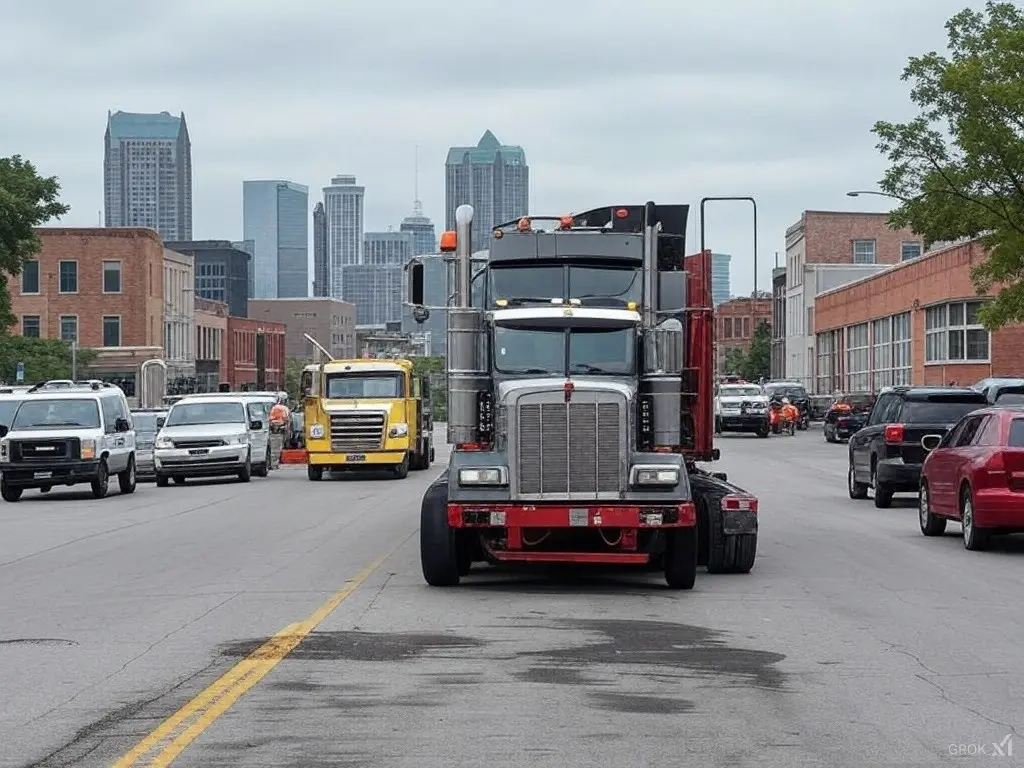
[455, 678]
[554, 674]
[698, 650]
[38, 641]
[362, 646]
[638, 704]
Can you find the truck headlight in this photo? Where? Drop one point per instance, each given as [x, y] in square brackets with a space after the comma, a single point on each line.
[163, 443]
[3, 448]
[398, 430]
[316, 431]
[483, 476]
[655, 476]
[88, 449]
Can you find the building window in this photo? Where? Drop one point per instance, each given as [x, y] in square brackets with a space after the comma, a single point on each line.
[111, 276]
[881, 353]
[69, 327]
[857, 362]
[112, 331]
[727, 328]
[954, 335]
[30, 276]
[826, 361]
[863, 251]
[902, 370]
[69, 277]
[30, 326]
[910, 251]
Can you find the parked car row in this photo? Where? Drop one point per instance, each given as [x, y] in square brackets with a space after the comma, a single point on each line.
[960, 450]
[70, 433]
[746, 407]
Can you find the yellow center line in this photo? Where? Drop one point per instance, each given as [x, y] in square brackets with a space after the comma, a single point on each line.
[185, 725]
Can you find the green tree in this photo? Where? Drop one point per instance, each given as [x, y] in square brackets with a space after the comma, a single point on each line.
[434, 368]
[735, 361]
[27, 200]
[43, 358]
[758, 360]
[292, 376]
[958, 167]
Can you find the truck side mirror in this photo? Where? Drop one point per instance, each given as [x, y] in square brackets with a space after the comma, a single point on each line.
[160, 420]
[306, 383]
[414, 286]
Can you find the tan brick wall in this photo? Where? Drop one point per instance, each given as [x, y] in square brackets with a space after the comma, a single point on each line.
[912, 286]
[830, 234]
[735, 323]
[139, 304]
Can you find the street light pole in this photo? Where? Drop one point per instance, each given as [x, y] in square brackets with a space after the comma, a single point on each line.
[875, 193]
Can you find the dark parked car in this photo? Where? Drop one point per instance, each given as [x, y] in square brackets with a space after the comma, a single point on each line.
[887, 453]
[797, 395]
[847, 414]
[975, 476]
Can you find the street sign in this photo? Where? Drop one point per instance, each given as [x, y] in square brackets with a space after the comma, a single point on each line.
[21, 372]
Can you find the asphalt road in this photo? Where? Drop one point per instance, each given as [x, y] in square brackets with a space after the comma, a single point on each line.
[854, 642]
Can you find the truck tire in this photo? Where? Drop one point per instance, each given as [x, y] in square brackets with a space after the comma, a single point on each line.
[439, 552]
[732, 553]
[681, 558]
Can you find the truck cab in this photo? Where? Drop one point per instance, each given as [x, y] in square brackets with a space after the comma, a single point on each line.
[366, 414]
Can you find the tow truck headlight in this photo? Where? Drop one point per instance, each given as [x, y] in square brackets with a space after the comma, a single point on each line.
[316, 431]
[398, 430]
[88, 449]
[655, 476]
[483, 476]
[163, 443]
[3, 448]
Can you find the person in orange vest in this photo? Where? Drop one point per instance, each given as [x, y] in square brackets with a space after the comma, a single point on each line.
[280, 422]
[790, 414]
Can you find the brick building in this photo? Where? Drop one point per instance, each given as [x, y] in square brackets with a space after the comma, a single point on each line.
[735, 323]
[916, 323]
[778, 369]
[826, 249]
[330, 321]
[238, 367]
[211, 318]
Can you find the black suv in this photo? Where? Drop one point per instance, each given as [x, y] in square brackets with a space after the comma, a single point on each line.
[797, 395]
[887, 454]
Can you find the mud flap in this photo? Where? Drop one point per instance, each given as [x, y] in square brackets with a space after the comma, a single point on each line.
[738, 522]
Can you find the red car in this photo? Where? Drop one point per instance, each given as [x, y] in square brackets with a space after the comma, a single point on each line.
[975, 476]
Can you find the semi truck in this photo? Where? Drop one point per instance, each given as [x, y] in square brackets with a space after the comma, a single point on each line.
[580, 376]
[366, 414]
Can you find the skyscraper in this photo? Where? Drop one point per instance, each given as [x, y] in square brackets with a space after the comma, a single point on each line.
[424, 239]
[275, 217]
[343, 205]
[147, 173]
[321, 265]
[721, 288]
[493, 178]
[377, 285]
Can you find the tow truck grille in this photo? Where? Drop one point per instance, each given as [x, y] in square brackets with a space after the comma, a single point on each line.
[198, 442]
[570, 448]
[357, 431]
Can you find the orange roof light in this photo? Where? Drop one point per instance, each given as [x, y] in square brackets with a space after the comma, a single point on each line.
[448, 242]
[523, 225]
[622, 213]
[565, 222]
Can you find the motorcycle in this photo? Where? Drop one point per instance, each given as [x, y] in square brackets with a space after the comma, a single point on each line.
[781, 421]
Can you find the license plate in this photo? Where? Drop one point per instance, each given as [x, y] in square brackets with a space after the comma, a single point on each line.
[356, 457]
[579, 517]
[198, 451]
[43, 475]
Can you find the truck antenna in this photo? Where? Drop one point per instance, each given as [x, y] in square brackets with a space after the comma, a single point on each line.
[319, 346]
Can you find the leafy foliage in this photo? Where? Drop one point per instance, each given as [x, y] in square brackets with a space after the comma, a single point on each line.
[757, 361]
[434, 369]
[43, 358]
[27, 200]
[958, 167]
[292, 374]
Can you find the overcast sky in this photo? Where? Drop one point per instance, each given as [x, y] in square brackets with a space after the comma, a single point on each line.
[613, 102]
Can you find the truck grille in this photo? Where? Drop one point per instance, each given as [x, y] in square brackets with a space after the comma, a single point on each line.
[357, 431]
[44, 450]
[198, 442]
[569, 448]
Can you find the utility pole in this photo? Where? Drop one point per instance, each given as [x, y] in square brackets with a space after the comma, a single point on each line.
[74, 360]
[261, 360]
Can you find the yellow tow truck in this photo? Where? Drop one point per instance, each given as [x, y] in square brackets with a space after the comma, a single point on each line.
[366, 414]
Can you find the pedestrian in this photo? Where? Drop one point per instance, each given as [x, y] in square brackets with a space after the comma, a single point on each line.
[280, 422]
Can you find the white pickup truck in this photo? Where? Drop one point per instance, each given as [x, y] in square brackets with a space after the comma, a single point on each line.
[741, 408]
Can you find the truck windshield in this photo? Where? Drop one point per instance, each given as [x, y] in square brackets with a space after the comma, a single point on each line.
[543, 351]
[347, 386]
[7, 409]
[593, 285]
[184, 414]
[740, 392]
[57, 413]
